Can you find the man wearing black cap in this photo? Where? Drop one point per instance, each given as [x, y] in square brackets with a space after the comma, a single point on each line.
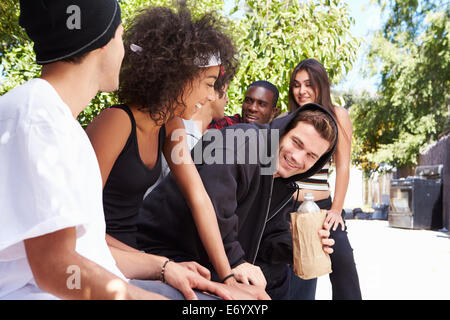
[52, 243]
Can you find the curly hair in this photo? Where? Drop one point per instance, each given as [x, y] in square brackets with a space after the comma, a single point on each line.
[173, 44]
[223, 79]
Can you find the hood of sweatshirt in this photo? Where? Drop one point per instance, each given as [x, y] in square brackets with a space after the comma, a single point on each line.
[282, 124]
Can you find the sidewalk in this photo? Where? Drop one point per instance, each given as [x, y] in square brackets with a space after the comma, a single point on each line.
[397, 264]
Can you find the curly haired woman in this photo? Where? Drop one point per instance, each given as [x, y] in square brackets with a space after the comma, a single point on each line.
[309, 83]
[171, 64]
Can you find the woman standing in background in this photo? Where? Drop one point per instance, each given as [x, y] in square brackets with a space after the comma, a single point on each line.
[310, 83]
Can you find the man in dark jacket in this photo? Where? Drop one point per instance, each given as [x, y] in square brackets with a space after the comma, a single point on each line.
[249, 172]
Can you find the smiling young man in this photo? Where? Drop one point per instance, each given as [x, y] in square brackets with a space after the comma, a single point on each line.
[259, 105]
[52, 243]
[251, 196]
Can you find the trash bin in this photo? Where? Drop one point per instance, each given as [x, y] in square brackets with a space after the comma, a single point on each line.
[381, 209]
[416, 202]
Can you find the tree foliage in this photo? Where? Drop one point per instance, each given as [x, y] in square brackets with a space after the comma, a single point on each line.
[16, 50]
[412, 53]
[18, 59]
[272, 36]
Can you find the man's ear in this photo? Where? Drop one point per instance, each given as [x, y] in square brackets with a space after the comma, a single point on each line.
[275, 113]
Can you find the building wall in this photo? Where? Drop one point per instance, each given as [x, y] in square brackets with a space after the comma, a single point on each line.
[439, 153]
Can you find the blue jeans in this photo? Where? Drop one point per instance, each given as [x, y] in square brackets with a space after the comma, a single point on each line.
[168, 291]
[300, 289]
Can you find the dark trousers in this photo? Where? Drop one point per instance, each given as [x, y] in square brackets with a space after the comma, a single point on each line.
[283, 284]
[344, 278]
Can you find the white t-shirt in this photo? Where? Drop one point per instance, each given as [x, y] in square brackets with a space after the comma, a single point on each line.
[193, 135]
[49, 180]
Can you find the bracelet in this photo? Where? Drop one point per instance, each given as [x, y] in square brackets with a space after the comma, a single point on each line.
[227, 277]
[163, 270]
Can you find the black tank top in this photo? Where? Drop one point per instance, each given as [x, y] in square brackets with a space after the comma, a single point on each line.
[127, 183]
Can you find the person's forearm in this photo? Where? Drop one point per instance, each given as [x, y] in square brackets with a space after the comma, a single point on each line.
[205, 219]
[79, 278]
[193, 190]
[138, 265]
[342, 158]
[341, 186]
[208, 230]
[59, 270]
[113, 242]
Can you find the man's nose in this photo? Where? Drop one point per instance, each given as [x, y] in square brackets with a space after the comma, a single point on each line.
[252, 106]
[300, 158]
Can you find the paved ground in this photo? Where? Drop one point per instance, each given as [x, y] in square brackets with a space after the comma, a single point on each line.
[397, 263]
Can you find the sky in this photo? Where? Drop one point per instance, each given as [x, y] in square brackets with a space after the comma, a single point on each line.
[367, 20]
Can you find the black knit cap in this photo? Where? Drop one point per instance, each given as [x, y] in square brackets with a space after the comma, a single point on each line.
[63, 29]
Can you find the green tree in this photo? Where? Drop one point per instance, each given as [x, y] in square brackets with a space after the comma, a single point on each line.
[18, 59]
[412, 54]
[273, 36]
[16, 50]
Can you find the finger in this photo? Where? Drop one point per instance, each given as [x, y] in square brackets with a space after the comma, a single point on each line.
[263, 296]
[214, 288]
[327, 225]
[262, 278]
[204, 272]
[330, 222]
[328, 242]
[335, 225]
[197, 268]
[264, 282]
[258, 293]
[187, 292]
[256, 281]
[328, 250]
[324, 233]
[241, 278]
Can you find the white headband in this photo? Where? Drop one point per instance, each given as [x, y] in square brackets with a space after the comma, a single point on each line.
[214, 59]
[135, 48]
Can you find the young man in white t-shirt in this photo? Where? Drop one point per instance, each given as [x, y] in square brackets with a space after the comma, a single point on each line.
[52, 243]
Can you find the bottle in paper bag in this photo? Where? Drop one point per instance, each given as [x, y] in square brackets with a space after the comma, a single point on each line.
[310, 261]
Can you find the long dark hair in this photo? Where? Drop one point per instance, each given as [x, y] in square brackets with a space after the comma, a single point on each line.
[318, 78]
[319, 81]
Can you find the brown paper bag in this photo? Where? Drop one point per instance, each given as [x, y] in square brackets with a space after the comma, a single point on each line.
[310, 261]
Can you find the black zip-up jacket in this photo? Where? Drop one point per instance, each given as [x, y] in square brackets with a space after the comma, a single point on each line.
[251, 206]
